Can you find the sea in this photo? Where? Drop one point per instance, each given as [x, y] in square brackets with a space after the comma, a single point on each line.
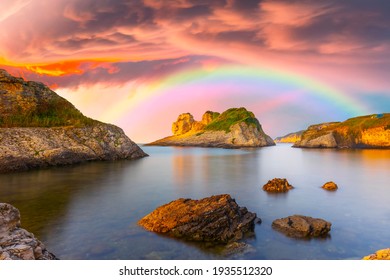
[90, 211]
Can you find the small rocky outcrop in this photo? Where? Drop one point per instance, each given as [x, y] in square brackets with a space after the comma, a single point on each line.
[299, 226]
[216, 219]
[277, 185]
[290, 138]
[234, 128]
[38, 128]
[330, 186]
[17, 243]
[372, 131]
[383, 254]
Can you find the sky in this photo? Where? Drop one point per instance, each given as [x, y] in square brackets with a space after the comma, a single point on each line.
[138, 64]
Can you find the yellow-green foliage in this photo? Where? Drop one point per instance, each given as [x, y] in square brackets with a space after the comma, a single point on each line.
[232, 116]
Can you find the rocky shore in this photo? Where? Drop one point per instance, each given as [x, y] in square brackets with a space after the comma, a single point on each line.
[38, 128]
[372, 131]
[17, 243]
[234, 128]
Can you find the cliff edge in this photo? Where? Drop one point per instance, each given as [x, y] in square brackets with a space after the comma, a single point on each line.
[372, 131]
[234, 128]
[290, 138]
[38, 128]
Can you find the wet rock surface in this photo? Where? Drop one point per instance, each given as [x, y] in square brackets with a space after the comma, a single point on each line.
[330, 186]
[17, 243]
[277, 185]
[299, 226]
[217, 219]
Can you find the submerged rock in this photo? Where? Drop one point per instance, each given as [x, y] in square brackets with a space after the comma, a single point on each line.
[302, 226]
[383, 254]
[17, 243]
[277, 185]
[330, 186]
[216, 219]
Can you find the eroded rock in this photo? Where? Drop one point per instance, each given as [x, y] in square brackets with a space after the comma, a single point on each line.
[216, 219]
[302, 226]
[277, 185]
[17, 243]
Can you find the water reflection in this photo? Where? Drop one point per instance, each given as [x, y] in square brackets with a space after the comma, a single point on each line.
[90, 211]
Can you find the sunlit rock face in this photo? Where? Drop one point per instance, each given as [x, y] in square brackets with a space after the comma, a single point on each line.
[234, 128]
[372, 131]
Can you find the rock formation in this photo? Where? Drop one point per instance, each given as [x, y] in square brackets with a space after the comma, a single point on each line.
[383, 254]
[277, 185]
[38, 128]
[217, 219]
[302, 226]
[290, 138]
[330, 186]
[17, 243]
[234, 128]
[371, 131]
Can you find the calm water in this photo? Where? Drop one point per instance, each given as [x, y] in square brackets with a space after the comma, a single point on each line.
[90, 211]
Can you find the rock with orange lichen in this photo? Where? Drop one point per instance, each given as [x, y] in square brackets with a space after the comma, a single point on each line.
[216, 219]
[383, 254]
[330, 186]
[277, 185]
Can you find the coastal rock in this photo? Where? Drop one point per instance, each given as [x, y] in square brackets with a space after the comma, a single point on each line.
[302, 226]
[330, 186]
[216, 219]
[383, 254]
[372, 131]
[234, 128]
[17, 243]
[38, 128]
[277, 185]
[290, 138]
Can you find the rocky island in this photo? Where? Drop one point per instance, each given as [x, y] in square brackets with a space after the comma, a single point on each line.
[234, 128]
[372, 131]
[38, 128]
[290, 138]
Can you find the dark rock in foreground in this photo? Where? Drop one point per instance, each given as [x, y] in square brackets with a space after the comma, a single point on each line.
[302, 226]
[330, 186]
[17, 243]
[383, 254]
[277, 185]
[216, 219]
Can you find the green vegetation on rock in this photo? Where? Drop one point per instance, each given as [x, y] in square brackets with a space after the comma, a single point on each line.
[231, 117]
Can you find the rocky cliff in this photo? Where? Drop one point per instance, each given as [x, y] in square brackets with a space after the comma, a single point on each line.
[290, 138]
[234, 128]
[371, 131]
[17, 243]
[38, 128]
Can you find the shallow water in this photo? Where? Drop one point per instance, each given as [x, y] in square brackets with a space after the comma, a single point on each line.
[90, 211]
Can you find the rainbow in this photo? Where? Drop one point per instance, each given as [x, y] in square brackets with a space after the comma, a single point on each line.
[203, 82]
[282, 101]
